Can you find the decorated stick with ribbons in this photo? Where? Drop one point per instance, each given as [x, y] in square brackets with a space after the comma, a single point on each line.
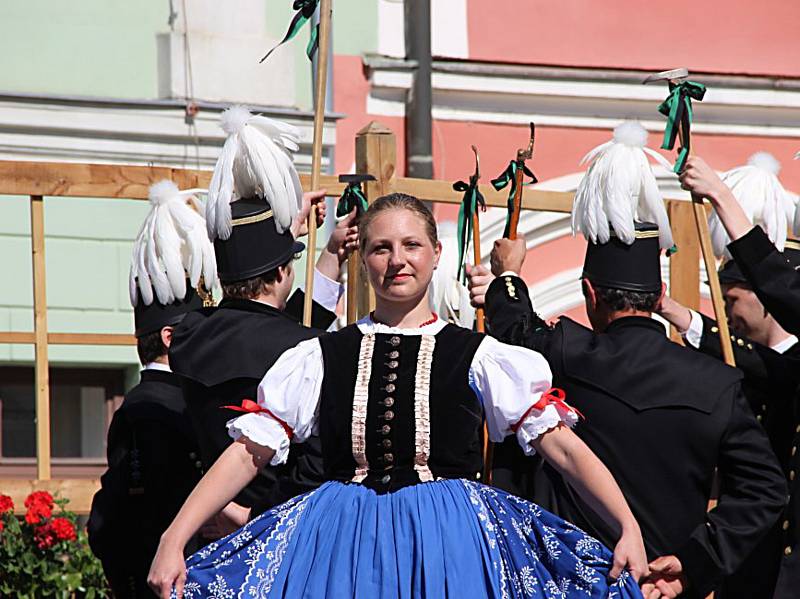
[320, 90]
[678, 110]
[469, 224]
[514, 175]
[353, 197]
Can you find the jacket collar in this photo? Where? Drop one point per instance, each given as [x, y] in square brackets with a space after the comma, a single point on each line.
[627, 322]
[246, 305]
[160, 376]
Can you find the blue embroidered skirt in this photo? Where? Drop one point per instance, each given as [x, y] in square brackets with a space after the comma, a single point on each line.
[448, 538]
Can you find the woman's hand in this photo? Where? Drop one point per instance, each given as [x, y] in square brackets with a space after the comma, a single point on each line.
[629, 553]
[168, 570]
[232, 517]
[311, 198]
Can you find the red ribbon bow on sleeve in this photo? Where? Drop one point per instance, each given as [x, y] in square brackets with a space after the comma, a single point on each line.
[553, 395]
[251, 407]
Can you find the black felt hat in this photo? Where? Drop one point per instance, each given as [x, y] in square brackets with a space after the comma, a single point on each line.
[255, 246]
[152, 318]
[634, 267]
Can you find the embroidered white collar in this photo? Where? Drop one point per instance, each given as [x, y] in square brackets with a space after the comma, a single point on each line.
[367, 325]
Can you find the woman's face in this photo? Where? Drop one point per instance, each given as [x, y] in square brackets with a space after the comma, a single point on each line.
[399, 256]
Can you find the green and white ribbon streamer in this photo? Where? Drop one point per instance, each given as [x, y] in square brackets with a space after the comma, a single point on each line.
[473, 199]
[305, 10]
[509, 177]
[678, 110]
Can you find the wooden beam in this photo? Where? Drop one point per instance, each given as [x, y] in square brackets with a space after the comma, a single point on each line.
[79, 491]
[376, 155]
[684, 265]
[70, 338]
[442, 191]
[64, 179]
[40, 339]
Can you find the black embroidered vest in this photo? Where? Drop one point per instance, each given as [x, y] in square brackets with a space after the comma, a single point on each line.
[391, 438]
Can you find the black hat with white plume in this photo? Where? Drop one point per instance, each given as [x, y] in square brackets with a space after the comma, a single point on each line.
[171, 257]
[619, 209]
[254, 195]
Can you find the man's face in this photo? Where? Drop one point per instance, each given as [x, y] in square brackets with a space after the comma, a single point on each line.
[745, 312]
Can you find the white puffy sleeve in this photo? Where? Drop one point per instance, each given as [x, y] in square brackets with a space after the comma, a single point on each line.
[514, 385]
[288, 396]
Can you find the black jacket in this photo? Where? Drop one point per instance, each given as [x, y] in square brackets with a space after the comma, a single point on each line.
[222, 354]
[770, 385]
[775, 281]
[153, 464]
[662, 418]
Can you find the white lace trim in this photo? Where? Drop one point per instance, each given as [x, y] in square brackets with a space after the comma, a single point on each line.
[264, 430]
[422, 419]
[368, 326]
[538, 422]
[358, 421]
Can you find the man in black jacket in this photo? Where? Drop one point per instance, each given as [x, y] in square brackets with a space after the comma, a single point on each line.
[662, 418]
[222, 353]
[775, 279]
[769, 357]
[153, 459]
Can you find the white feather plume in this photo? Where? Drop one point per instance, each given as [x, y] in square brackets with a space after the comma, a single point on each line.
[759, 192]
[620, 188]
[256, 159]
[448, 296]
[171, 245]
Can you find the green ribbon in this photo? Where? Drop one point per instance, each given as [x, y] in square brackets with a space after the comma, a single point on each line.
[509, 177]
[473, 199]
[352, 197]
[305, 10]
[678, 110]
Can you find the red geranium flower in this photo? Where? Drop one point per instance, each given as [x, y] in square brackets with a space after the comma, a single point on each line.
[44, 536]
[6, 504]
[2, 525]
[39, 498]
[40, 507]
[37, 512]
[63, 529]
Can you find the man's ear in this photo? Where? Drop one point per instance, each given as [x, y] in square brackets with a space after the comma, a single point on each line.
[589, 292]
[166, 336]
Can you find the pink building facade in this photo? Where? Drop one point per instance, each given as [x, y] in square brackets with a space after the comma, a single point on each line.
[575, 68]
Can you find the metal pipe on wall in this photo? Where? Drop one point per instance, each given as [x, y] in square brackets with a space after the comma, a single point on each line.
[419, 100]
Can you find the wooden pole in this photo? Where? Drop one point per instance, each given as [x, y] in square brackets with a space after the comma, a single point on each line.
[353, 276]
[376, 155]
[40, 340]
[320, 89]
[701, 224]
[684, 266]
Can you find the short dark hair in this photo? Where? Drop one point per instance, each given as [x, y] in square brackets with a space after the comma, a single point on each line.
[621, 299]
[252, 287]
[150, 347]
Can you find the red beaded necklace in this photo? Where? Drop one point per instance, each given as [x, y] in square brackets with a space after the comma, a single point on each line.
[424, 324]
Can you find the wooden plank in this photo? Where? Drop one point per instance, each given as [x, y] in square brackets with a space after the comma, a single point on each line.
[65, 179]
[91, 339]
[442, 191]
[684, 265]
[40, 340]
[376, 155]
[71, 338]
[11, 337]
[79, 491]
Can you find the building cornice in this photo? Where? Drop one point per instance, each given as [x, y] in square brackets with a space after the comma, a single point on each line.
[590, 98]
[130, 131]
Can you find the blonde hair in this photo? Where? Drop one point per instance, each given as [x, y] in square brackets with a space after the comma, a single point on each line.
[397, 201]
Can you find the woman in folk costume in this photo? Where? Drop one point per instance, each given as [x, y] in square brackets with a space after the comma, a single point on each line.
[399, 400]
